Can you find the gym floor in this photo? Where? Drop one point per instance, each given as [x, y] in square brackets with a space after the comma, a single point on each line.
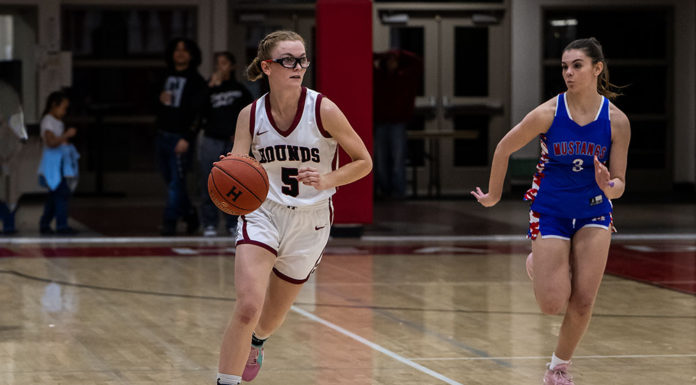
[433, 292]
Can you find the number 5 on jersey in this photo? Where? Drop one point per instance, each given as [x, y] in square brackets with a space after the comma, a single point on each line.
[291, 185]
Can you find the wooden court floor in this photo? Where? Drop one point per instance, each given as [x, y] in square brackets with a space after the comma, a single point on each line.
[402, 312]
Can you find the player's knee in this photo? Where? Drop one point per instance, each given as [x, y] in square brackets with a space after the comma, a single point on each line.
[581, 304]
[552, 305]
[247, 311]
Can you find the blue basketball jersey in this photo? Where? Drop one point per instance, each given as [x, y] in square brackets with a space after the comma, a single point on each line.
[564, 184]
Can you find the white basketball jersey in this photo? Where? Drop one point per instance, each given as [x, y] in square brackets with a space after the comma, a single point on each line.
[282, 153]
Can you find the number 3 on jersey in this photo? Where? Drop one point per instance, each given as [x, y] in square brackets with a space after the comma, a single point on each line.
[291, 185]
[577, 165]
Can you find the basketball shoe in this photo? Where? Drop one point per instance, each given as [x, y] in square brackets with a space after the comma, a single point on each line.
[218, 382]
[253, 365]
[558, 375]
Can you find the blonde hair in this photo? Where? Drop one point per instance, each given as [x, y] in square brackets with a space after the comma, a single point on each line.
[266, 45]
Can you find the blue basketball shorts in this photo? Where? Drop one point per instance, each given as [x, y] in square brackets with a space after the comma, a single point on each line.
[548, 226]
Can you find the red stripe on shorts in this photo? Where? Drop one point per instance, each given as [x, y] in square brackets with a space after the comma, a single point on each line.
[248, 241]
[289, 279]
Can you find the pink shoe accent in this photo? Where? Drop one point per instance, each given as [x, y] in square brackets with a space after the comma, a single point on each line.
[558, 375]
[253, 365]
[530, 266]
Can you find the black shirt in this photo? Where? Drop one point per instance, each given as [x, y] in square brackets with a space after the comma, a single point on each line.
[188, 95]
[224, 103]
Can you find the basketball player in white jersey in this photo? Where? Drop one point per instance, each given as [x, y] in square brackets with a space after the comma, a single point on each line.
[294, 132]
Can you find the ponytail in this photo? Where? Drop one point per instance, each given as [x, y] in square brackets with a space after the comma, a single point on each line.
[253, 71]
[604, 87]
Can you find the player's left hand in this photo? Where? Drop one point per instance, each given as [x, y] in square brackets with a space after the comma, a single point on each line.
[601, 174]
[311, 177]
[485, 199]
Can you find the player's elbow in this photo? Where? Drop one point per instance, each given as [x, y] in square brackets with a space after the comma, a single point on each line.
[363, 160]
[502, 149]
[368, 164]
[364, 167]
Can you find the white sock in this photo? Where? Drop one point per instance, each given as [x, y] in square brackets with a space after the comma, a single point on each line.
[555, 361]
[229, 379]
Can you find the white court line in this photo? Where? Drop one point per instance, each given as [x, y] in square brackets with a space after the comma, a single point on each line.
[516, 238]
[442, 238]
[655, 237]
[374, 346]
[547, 357]
[368, 238]
[119, 240]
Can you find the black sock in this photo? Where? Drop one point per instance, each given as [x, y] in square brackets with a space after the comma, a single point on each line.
[256, 341]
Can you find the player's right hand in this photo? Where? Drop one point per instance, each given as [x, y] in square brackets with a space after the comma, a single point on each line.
[602, 176]
[486, 200]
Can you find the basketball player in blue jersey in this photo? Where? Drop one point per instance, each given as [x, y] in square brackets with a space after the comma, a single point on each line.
[294, 132]
[570, 218]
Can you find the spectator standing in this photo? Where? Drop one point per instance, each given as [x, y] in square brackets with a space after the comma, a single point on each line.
[226, 98]
[58, 168]
[396, 79]
[180, 102]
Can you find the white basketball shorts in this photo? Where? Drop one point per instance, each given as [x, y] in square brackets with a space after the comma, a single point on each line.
[297, 236]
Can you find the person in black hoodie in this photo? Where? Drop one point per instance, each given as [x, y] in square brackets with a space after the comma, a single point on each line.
[180, 102]
[226, 97]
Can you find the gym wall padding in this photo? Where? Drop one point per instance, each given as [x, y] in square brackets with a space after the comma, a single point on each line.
[343, 62]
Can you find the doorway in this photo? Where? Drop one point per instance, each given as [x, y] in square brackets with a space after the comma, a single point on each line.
[462, 103]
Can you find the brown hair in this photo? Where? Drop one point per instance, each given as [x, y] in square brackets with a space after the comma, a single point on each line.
[593, 49]
[227, 55]
[55, 98]
[190, 46]
[266, 45]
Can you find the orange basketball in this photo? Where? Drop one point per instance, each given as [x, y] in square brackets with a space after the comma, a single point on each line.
[237, 184]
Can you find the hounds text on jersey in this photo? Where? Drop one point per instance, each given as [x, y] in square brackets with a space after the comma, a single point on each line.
[283, 152]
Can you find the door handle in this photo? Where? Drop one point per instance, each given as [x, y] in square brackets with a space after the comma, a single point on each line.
[445, 101]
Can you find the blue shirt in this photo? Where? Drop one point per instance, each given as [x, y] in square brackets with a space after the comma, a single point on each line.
[564, 185]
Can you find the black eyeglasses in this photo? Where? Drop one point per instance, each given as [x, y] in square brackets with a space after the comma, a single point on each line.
[291, 62]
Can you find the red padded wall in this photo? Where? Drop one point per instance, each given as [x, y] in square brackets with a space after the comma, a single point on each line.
[344, 74]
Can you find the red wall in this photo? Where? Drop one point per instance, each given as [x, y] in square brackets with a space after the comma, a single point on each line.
[344, 74]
